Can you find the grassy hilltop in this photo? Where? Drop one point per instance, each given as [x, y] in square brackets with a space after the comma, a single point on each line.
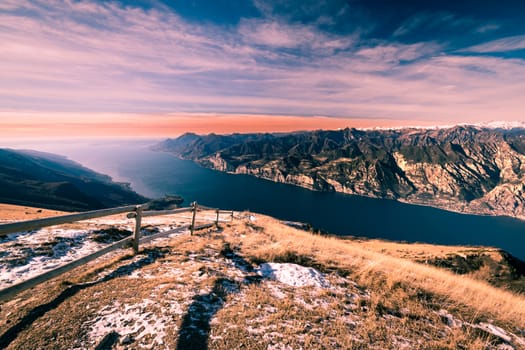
[211, 291]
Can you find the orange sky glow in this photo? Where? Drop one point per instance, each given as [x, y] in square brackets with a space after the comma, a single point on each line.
[29, 125]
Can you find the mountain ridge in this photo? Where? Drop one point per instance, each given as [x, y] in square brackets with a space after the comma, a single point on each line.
[55, 182]
[470, 169]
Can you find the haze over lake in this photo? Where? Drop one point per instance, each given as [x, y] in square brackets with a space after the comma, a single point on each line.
[155, 174]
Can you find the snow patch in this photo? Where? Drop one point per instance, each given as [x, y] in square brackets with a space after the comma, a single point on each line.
[503, 124]
[132, 321]
[159, 271]
[293, 275]
[26, 254]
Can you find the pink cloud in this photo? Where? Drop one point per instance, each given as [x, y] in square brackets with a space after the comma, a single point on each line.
[102, 57]
[281, 35]
[511, 43]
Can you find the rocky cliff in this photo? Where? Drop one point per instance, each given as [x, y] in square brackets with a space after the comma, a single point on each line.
[464, 168]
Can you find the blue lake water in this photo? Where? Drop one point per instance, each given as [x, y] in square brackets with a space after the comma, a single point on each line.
[155, 174]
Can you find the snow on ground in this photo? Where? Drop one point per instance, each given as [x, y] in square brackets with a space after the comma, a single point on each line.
[144, 324]
[151, 321]
[30, 253]
[132, 322]
[184, 304]
[173, 273]
[147, 323]
[27, 254]
[293, 283]
[293, 275]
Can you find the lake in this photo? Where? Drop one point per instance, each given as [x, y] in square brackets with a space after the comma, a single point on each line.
[155, 174]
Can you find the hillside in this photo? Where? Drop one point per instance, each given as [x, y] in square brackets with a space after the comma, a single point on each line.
[55, 182]
[463, 168]
[257, 283]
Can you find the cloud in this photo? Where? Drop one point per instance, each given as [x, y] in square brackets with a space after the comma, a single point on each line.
[507, 44]
[395, 53]
[433, 21]
[269, 33]
[101, 57]
[487, 28]
[282, 35]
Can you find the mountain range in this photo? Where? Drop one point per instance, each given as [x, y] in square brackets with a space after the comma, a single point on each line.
[469, 169]
[51, 181]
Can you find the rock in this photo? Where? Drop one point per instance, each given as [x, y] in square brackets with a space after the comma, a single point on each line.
[495, 331]
[127, 339]
[449, 319]
[463, 168]
[511, 340]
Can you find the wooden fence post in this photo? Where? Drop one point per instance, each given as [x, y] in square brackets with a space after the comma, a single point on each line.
[232, 216]
[217, 220]
[136, 232]
[194, 205]
[135, 212]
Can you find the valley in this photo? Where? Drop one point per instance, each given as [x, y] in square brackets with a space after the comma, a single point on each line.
[466, 169]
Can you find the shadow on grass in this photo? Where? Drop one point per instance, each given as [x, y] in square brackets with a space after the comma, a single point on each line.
[195, 329]
[39, 311]
[108, 341]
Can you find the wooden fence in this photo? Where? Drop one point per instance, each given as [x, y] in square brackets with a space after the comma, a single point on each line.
[133, 212]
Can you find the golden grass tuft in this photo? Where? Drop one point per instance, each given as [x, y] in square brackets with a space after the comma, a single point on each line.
[370, 267]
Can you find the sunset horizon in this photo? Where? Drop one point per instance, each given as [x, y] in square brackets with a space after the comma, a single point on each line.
[127, 125]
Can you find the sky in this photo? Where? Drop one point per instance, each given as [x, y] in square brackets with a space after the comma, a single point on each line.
[160, 68]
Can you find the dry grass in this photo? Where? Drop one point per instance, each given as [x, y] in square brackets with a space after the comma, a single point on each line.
[422, 251]
[10, 212]
[381, 270]
[380, 298]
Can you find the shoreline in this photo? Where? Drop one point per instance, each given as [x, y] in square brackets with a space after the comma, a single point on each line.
[400, 200]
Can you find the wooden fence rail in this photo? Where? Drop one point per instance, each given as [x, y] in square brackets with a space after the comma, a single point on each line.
[134, 212]
[162, 212]
[202, 207]
[11, 291]
[63, 219]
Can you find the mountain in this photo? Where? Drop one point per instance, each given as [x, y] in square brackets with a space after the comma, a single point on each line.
[55, 182]
[464, 168]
